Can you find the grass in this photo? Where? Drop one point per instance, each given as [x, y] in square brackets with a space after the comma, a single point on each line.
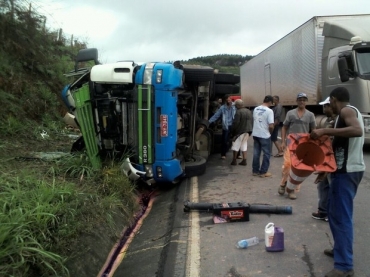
[29, 217]
[48, 204]
[12, 126]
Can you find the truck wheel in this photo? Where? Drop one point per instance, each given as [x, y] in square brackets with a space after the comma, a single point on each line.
[227, 78]
[212, 94]
[236, 79]
[78, 145]
[197, 73]
[223, 89]
[217, 142]
[203, 122]
[195, 167]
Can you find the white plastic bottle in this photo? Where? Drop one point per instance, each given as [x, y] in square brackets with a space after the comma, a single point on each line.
[245, 243]
[269, 234]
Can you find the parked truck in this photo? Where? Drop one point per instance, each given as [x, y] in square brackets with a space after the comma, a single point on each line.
[153, 116]
[323, 53]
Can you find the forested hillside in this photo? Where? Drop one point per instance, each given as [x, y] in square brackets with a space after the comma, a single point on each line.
[223, 62]
[32, 62]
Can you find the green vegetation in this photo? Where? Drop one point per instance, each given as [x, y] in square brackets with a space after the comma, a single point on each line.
[224, 63]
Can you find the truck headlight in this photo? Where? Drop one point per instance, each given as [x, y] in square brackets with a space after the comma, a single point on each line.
[148, 73]
[149, 171]
[159, 172]
[158, 76]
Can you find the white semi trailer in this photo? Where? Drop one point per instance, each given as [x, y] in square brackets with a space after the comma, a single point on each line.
[323, 53]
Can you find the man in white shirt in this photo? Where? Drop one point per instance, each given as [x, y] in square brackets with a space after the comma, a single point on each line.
[263, 125]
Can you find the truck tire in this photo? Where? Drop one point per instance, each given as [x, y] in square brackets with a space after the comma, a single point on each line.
[223, 89]
[227, 78]
[236, 79]
[203, 122]
[78, 145]
[212, 94]
[217, 142]
[198, 73]
[195, 167]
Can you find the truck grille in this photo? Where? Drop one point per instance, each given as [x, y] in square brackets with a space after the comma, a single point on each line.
[145, 124]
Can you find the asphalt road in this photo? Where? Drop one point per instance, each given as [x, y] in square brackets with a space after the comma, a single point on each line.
[172, 242]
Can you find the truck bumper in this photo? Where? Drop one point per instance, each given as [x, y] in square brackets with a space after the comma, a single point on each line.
[171, 171]
[131, 172]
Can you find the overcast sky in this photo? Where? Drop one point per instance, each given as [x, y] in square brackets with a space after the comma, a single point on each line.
[168, 30]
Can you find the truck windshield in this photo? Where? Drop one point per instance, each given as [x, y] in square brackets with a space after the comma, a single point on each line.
[363, 62]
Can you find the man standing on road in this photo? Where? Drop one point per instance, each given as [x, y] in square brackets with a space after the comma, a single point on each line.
[240, 131]
[263, 125]
[227, 112]
[277, 109]
[322, 178]
[298, 120]
[348, 142]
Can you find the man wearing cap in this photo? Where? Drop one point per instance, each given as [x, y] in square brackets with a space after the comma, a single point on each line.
[263, 125]
[298, 120]
[322, 179]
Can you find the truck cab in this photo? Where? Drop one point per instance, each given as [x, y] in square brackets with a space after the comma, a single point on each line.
[349, 66]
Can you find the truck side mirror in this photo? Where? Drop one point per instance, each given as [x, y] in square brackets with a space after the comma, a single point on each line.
[177, 65]
[84, 55]
[343, 69]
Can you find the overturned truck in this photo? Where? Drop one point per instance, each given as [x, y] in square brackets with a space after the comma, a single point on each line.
[154, 116]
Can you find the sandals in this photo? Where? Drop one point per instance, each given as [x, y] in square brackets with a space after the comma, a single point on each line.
[279, 155]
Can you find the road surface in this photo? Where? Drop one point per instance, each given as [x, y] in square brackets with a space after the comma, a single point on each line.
[172, 242]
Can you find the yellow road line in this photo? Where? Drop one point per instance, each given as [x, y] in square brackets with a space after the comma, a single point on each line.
[193, 257]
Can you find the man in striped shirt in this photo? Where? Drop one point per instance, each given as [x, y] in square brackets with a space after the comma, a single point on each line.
[298, 120]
